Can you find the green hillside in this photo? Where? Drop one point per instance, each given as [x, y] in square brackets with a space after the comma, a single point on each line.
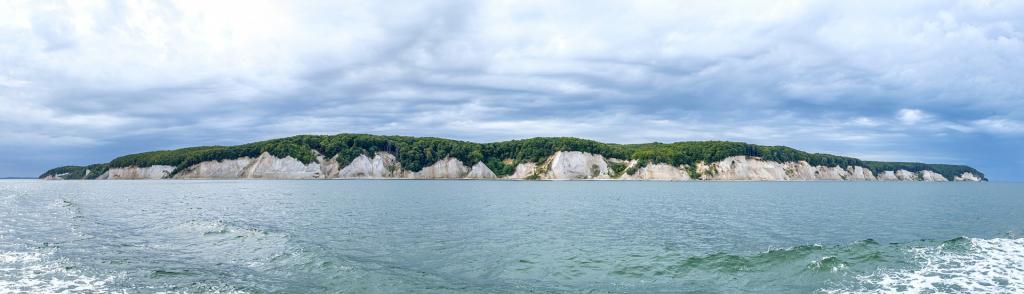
[414, 153]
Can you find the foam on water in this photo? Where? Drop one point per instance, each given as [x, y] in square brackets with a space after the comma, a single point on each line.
[828, 263]
[508, 237]
[959, 265]
[35, 272]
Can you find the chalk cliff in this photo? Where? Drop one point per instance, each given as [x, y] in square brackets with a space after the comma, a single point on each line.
[481, 171]
[571, 165]
[657, 172]
[382, 165]
[132, 172]
[563, 165]
[448, 168]
[930, 176]
[265, 166]
[969, 177]
[345, 156]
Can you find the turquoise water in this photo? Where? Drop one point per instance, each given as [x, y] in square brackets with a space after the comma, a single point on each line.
[398, 236]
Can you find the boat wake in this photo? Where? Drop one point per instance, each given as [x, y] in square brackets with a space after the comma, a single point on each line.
[958, 265]
[36, 272]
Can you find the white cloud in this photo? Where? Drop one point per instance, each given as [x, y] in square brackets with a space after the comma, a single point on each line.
[11, 83]
[912, 116]
[1000, 126]
[866, 122]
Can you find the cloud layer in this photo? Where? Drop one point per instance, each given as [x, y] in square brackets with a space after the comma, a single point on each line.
[936, 81]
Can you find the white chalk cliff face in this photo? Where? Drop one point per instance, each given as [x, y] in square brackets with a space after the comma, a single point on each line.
[382, 165]
[448, 168]
[570, 165]
[563, 165]
[930, 176]
[966, 176]
[859, 173]
[56, 177]
[524, 170]
[481, 171]
[136, 173]
[265, 166]
[658, 172]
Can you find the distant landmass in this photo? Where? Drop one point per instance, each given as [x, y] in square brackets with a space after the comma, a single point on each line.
[351, 156]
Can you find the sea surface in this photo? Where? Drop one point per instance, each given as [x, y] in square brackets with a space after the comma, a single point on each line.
[400, 236]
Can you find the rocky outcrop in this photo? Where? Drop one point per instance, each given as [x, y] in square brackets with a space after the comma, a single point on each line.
[743, 168]
[329, 167]
[55, 177]
[905, 175]
[899, 175]
[448, 168]
[968, 177]
[270, 167]
[265, 166]
[571, 165]
[481, 171]
[382, 165]
[658, 172]
[220, 169]
[137, 173]
[887, 176]
[524, 170]
[858, 173]
[930, 176]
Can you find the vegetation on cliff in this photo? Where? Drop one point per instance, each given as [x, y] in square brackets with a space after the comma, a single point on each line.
[87, 172]
[414, 153]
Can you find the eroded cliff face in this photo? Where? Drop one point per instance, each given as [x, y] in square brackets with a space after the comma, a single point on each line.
[382, 165]
[265, 166]
[563, 165]
[137, 173]
[743, 168]
[859, 173]
[571, 165]
[481, 171]
[329, 167]
[930, 176]
[269, 167]
[574, 165]
[969, 177]
[448, 168]
[524, 171]
[56, 177]
[899, 175]
[658, 172]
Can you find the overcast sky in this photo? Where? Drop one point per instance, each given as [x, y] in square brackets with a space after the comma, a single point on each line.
[934, 81]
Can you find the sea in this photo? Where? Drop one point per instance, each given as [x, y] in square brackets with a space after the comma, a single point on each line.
[472, 236]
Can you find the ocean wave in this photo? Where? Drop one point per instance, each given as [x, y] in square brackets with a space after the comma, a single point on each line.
[229, 242]
[218, 227]
[957, 265]
[37, 272]
[773, 258]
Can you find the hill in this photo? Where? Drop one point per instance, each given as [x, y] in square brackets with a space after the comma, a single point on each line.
[502, 158]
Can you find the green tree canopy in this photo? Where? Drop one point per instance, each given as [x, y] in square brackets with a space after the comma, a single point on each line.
[414, 153]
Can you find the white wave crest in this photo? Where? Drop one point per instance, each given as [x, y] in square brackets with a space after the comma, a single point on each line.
[35, 272]
[987, 266]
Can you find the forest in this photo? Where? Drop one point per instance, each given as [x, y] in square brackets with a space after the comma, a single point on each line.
[414, 153]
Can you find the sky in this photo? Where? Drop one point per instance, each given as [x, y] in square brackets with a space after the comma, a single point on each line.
[931, 81]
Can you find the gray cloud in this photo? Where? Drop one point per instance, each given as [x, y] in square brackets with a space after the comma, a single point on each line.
[914, 80]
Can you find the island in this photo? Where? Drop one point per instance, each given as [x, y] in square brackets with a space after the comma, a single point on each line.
[362, 156]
